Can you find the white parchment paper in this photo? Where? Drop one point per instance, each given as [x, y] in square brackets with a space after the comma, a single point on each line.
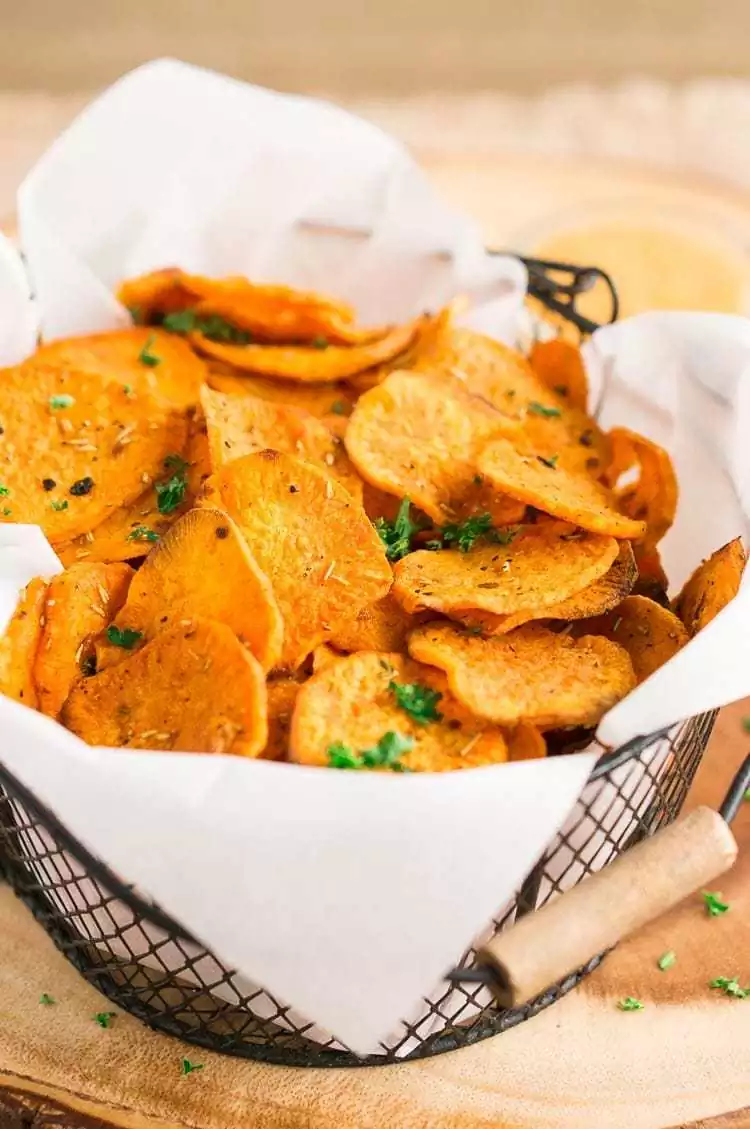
[346, 895]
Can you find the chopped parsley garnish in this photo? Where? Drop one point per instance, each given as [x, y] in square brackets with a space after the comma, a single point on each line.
[396, 535]
[59, 506]
[82, 487]
[7, 511]
[630, 1004]
[465, 533]
[550, 461]
[747, 796]
[319, 342]
[104, 1018]
[730, 987]
[212, 326]
[714, 905]
[126, 638]
[666, 960]
[46, 999]
[189, 1067]
[4, 491]
[63, 400]
[338, 407]
[128, 390]
[142, 533]
[171, 493]
[420, 702]
[136, 314]
[746, 724]
[538, 409]
[147, 356]
[386, 754]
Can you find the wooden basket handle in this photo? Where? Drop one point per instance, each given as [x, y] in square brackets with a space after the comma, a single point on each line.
[637, 887]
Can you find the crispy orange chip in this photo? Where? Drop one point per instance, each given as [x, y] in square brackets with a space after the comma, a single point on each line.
[558, 363]
[433, 336]
[539, 567]
[202, 567]
[192, 689]
[713, 584]
[323, 655]
[572, 496]
[595, 599]
[75, 447]
[240, 426]
[19, 643]
[329, 402]
[525, 743]
[282, 695]
[314, 543]
[649, 633]
[653, 496]
[532, 675]
[80, 603]
[382, 626]
[353, 703]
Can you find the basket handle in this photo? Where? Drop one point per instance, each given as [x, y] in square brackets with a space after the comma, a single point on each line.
[637, 887]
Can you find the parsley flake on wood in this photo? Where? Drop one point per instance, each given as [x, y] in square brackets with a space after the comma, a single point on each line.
[714, 904]
[396, 535]
[63, 400]
[126, 638]
[147, 356]
[47, 1000]
[630, 1004]
[420, 702]
[142, 533]
[171, 494]
[730, 987]
[189, 1067]
[538, 409]
[550, 461]
[105, 1018]
[386, 754]
[666, 960]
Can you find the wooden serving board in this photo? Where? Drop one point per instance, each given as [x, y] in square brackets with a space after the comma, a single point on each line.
[582, 1064]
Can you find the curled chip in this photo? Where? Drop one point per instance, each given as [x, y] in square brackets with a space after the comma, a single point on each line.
[19, 643]
[80, 603]
[573, 496]
[525, 743]
[652, 497]
[143, 361]
[559, 364]
[192, 689]
[326, 401]
[311, 539]
[75, 447]
[595, 599]
[353, 705]
[434, 334]
[532, 674]
[538, 567]
[309, 364]
[713, 584]
[243, 425]
[202, 567]
[419, 436]
[382, 626]
[282, 695]
[649, 633]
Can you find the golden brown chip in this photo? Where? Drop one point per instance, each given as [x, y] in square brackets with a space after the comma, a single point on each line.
[282, 694]
[434, 334]
[202, 567]
[713, 584]
[19, 643]
[144, 361]
[540, 566]
[314, 543]
[559, 365]
[192, 689]
[420, 436]
[382, 626]
[74, 447]
[570, 495]
[353, 703]
[323, 655]
[240, 426]
[652, 579]
[325, 401]
[80, 603]
[595, 599]
[532, 675]
[652, 498]
[649, 633]
[525, 743]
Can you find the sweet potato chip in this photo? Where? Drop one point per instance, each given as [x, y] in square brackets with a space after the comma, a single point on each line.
[145, 361]
[282, 694]
[713, 584]
[649, 633]
[323, 655]
[354, 704]
[432, 337]
[74, 447]
[192, 689]
[570, 495]
[652, 497]
[532, 675]
[382, 626]
[314, 543]
[419, 436]
[540, 566]
[240, 426]
[202, 567]
[19, 644]
[525, 743]
[80, 603]
[329, 402]
[595, 599]
[559, 365]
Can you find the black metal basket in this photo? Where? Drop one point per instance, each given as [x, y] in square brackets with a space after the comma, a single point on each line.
[148, 964]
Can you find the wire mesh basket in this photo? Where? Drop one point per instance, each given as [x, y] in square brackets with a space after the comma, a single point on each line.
[148, 964]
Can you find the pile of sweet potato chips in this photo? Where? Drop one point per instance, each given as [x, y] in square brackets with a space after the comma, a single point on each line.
[285, 535]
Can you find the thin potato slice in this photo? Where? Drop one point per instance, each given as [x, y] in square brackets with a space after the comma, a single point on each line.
[532, 675]
[713, 584]
[352, 702]
[80, 603]
[382, 626]
[321, 400]
[282, 695]
[569, 495]
[559, 365]
[309, 365]
[314, 543]
[420, 436]
[542, 565]
[599, 597]
[19, 644]
[74, 447]
[649, 633]
[525, 743]
[240, 426]
[653, 496]
[202, 567]
[193, 689]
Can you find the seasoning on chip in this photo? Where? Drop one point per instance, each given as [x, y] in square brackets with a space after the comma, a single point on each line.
[650, 634]
[713, 584]
[558, 363]
[19, 643]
